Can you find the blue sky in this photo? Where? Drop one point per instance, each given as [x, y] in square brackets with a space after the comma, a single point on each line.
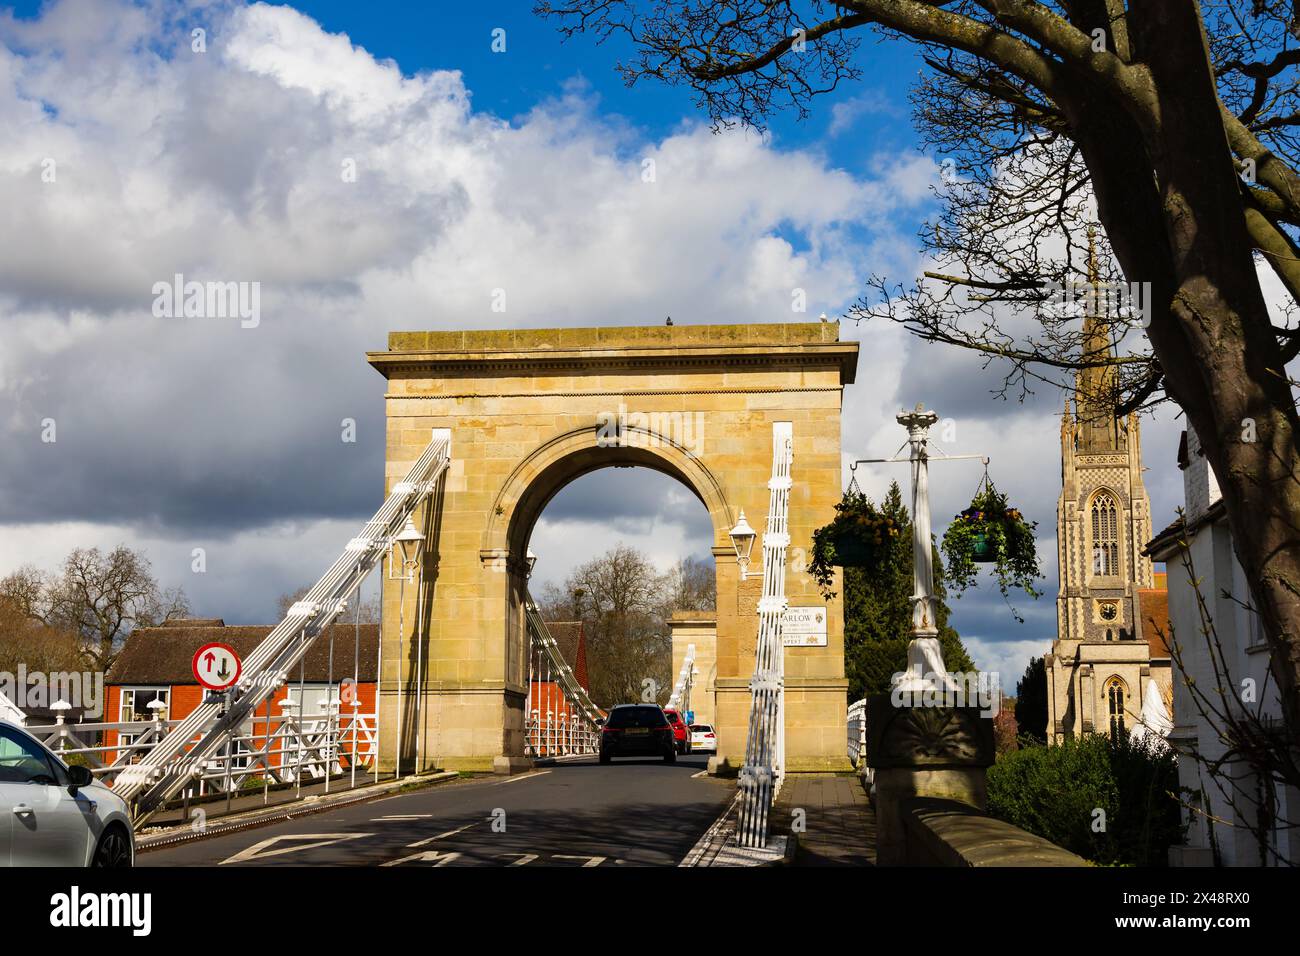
[538, 65]
[479, 169]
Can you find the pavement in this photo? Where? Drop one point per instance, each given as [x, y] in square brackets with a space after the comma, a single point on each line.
[181, 812]
[573, 813]
[831, 818]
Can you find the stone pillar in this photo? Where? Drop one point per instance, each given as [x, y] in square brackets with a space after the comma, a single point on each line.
[919, 751]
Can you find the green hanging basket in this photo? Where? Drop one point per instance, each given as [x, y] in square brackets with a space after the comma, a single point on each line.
[851, 551]
[982, 550]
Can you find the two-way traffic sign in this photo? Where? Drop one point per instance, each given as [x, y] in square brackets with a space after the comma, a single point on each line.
[217, 666]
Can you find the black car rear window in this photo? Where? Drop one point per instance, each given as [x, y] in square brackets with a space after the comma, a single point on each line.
[637, 717]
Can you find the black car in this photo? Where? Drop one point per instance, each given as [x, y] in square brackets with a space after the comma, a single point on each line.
[637, 730]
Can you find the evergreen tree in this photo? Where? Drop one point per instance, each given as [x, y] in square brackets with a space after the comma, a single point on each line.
[878, 614]
[1031, 701]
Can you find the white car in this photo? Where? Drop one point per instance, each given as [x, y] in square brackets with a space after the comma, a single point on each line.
[55, 815]
[703, 738]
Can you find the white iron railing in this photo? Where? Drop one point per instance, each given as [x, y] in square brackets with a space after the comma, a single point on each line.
[560, 718]
[289, 748]
[680, 698]
[181, 754]
[858, 731]
[760, 777]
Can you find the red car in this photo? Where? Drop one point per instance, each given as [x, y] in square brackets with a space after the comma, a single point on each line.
[681, 732]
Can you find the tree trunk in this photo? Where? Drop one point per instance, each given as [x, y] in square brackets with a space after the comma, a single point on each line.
[1217, 348]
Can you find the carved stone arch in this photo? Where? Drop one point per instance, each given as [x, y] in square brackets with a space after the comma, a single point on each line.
[570, 455]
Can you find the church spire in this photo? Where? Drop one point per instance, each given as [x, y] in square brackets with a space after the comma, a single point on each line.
[1094, 401]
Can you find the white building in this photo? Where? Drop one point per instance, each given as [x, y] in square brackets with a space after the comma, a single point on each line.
[1225, 812]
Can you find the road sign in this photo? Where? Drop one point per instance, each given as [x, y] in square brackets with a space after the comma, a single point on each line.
[804, 627]
[217, 666]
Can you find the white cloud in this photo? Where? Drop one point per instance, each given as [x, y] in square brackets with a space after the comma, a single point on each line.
[228, 165]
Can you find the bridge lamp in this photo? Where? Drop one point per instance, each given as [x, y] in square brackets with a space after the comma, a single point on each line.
[531, 560]
[411, 543]
[742, 539]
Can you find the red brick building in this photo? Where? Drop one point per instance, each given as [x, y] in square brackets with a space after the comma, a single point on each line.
[546, 700]
[155, 665]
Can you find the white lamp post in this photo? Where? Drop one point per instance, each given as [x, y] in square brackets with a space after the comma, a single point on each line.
[925, 665]
[409, 545]
[742, 539]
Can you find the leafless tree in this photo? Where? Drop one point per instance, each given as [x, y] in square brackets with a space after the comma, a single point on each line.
[693, 586]
[1179, 118]
[101, 598]
[624, 603]
[370, 610]
[26, 641]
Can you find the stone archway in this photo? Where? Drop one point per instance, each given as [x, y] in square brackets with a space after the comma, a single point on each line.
[530, 411]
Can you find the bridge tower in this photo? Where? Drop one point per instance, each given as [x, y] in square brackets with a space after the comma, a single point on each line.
[529, 411]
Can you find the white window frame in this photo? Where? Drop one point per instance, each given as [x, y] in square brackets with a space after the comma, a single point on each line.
[126, 716]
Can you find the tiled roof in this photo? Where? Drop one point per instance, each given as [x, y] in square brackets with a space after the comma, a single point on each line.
[163, 655]
[572, 645]
[1153, 619]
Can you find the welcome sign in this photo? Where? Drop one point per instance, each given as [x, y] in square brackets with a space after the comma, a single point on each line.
[804, 627]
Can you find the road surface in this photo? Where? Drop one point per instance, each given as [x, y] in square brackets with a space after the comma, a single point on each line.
[628, 813]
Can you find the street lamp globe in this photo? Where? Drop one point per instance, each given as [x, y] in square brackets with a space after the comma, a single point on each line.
[742, 539]
[411, 543]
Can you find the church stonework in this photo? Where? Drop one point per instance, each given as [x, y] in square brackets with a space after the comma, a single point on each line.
[1100, 661]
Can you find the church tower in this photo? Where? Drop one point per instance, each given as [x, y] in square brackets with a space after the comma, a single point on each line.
[1103, 521]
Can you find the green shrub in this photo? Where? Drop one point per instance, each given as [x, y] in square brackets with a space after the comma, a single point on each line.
[1055, 792]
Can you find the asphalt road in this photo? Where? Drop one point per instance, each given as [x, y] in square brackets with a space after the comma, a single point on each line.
[629, 813]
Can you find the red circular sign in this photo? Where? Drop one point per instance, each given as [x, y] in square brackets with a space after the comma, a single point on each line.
[217, 666]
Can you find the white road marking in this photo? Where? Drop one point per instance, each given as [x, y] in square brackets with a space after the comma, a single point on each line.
[524, 776]
[449, 833]
[439, 859]
[591, 860]
[320, 839]
[524, 858]
[401, 816]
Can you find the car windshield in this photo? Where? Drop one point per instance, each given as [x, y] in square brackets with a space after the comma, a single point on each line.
[702, 728]
[636, 717]
[672, 717]
[22, 760]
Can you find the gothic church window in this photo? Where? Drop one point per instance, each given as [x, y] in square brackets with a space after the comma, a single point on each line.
[1105, 534]
[1115, 704]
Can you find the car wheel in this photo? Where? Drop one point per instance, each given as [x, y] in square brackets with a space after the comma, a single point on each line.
[604, 758]
[671, 756]
[113, 851]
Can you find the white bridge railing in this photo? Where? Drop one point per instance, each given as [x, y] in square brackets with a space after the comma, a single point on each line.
[289, 748]
[858, 731]
[183, 753]
[680, 698]
[560, 719]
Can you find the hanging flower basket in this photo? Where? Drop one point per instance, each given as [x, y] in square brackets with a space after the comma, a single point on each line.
[991, 532]
[860, 536]
[982, 549]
